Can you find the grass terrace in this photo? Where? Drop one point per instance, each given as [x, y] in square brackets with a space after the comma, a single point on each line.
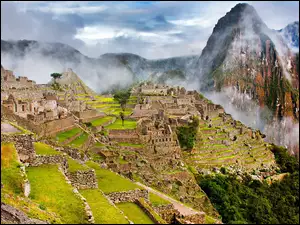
[10, 169]
[74, 165]
[128, 124]
[100, 121]
[67, 134]
[12, 181]
[105, 99]
[44, 149]
[156, 200]
[109, 181]
[116, 111]
[103, 211]
[134, 213]
[79, 141]
[50, 190]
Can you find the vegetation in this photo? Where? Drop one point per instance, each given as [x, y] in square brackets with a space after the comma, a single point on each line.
[10, 169]
[122, 96]
[49, 188]
[187, 134]
[103, 211]
[156, 200]
[128, 124]
[56, 75]
[74, 165]
[78, 142]
[134, 213]
[44, 149]
[122, 118]
[251, 201]
[67, 134]
[109, 181]
[100, 121]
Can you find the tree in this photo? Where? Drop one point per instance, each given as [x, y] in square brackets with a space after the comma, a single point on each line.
[187, 134]
[56, 75]
[122, 117]
[122, 97]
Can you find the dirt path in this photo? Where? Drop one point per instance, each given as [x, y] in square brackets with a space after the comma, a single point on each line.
[184, 210]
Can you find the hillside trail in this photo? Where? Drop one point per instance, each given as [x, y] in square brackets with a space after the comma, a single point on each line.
[183, 209]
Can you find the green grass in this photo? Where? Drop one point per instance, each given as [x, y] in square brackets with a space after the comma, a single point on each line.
[122, 161]
[103, 212]
[74, 165]
[128, 124]
[105, 99]
[98, 144]
[130, 144]
[156, 200]
[78, 142]
[101, 121]
[111, 182]
[10, 169]
[44, 149]
[67, 134]
[116, 111]
[49, 188]
[134, 213]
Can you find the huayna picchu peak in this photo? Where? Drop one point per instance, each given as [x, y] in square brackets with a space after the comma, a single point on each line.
[110, 113]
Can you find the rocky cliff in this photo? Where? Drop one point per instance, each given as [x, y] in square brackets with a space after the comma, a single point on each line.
[244, 55]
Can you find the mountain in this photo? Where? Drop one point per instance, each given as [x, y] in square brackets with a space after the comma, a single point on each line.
[291, 35]
[101, 74]
[71, 79]
[251, 63]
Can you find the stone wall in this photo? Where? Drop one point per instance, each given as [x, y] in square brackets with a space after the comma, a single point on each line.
[52, 127]
[23, 94]
[73, 152]
[71, 138]
[50, 159]
[23, 144]
[29, 125]
[45, 129]
[150, 211]
[87, 114]
[128, 196]
[83, 179]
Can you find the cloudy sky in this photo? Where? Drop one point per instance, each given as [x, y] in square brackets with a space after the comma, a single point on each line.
[150, 29]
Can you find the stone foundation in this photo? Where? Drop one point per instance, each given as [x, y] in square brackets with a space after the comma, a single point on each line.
[23, 144]
[50, 159]
[128, 196]
[83, 179]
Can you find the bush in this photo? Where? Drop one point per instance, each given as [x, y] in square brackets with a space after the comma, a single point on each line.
[187, 134]
[251, 201]
[42, 206]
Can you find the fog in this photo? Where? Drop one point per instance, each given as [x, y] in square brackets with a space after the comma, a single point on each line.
[98, 75]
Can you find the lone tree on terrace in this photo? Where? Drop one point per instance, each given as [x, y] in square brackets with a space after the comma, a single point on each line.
[122, 97]
[122, 116]
[56, 75]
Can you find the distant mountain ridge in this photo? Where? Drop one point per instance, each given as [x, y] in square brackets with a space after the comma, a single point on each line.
[131, 66]
[291, 35]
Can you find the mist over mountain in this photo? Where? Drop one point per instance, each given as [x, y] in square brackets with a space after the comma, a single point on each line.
[291, 35]
[250, 70]
[38, 60]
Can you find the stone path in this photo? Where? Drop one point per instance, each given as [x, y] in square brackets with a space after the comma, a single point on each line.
[184, 210]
